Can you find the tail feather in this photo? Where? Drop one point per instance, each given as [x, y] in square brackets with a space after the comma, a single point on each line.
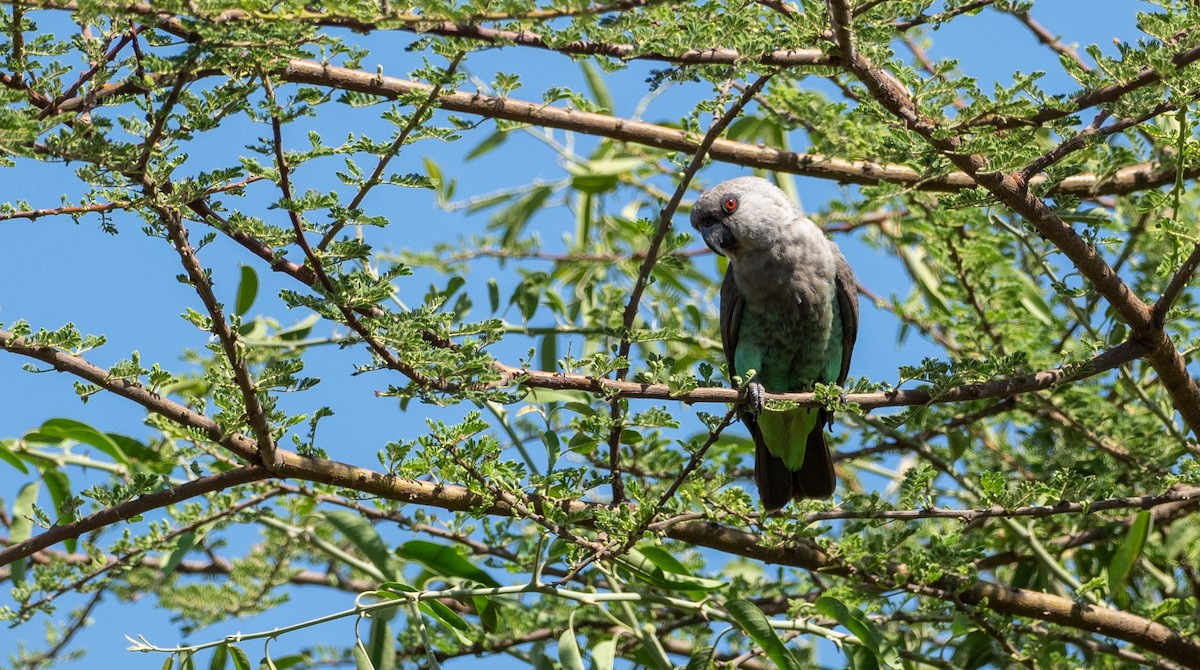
[815, 479]
[777, 485]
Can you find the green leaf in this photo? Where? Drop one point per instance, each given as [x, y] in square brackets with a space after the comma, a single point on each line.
[604, 654]
[57, 431]
[220, 658]
[568, 650]
[528, 293]
[439, 611]
[7, 455]
[169, 664]
[22, 525]
[595, 83]
[664, 559]
[361, 660]
[172, 557]
[861, 627]
[548, 353]
[702, 657]
[601, 175]
[493, 294]
[490, 142]
[382, 651]
[247, 291]
[59, 488]
[298, 330]
[445, 561]
[240, 660]
[489, 613]
[976, 651]
[1034, 302]
[754, 623]
[927, 281]
[289, 661]
[364, 537]
[1122, 562]
[662, 570]
[433, 608]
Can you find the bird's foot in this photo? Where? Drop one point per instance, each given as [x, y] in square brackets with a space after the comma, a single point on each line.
[754, 392]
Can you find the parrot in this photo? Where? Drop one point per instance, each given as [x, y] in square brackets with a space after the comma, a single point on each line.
[789, 316]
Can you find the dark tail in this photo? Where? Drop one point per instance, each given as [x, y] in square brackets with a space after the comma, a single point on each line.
[776, 484]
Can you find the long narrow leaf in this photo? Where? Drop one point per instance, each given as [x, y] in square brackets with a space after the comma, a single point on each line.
[364, 537]
[445, 561]
[568, 651]
[861, 627]
[22, 525]
[1122, 562]
[754, 623]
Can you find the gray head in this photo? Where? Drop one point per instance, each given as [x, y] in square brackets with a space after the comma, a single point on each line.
[744, 216]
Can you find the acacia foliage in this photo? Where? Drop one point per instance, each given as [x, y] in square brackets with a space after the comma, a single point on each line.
[1032, 504]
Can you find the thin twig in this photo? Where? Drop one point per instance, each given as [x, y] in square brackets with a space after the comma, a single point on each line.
[88, 74]
[317, 266]
[162, 540]
[47, 658]
[666, 215]
[1093, 132]
[941, 17]
[1175, 287]
[255, 413]
[1049, 39]
[650, 512]
[160, 120]
[413, 123]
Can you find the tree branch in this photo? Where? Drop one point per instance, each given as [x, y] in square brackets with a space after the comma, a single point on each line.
[1017, 602]
[244, 447]
[129, 509]
[1134, 178]
[1174, 495]
[255, 413]
[132, 390]
[414, 122]
[316, 267]
[1015, 193]
[998, 388]
[1047, 38]
[1129, 179]
[665, 219]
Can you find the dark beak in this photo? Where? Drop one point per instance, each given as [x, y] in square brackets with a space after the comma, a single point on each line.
[716, 236]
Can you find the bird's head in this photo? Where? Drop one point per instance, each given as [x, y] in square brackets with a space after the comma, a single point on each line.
[742, 215]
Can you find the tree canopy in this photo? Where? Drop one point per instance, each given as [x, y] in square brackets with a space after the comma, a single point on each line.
[494, 420]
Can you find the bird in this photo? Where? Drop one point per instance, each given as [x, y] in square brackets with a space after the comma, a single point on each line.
[789, 315]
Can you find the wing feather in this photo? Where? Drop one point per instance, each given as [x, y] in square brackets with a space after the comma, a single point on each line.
[731, 317]
[846, 288]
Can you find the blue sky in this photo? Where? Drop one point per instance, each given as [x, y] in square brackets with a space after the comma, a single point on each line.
[53, 271]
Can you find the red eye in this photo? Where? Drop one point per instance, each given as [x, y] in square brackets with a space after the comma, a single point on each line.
[730, 205]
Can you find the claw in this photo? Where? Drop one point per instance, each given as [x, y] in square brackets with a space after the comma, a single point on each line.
[755, 392]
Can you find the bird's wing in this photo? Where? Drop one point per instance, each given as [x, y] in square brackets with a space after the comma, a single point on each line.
[731, 317]
[847, 297]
